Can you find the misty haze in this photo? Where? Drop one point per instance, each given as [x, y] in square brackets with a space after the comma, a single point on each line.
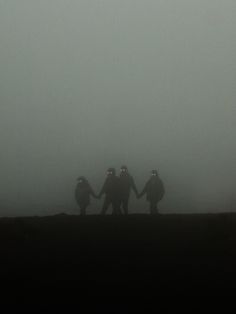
[87, 85]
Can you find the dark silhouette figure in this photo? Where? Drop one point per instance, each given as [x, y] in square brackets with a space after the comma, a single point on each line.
[154, 190]
[126, 185]
[82, 194]
[111, 189]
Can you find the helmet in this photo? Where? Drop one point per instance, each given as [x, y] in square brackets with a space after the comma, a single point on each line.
[111, 171]
[81, 179]
[123, 168]
[154, 173]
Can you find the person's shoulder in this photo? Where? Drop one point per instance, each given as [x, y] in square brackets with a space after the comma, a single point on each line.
[77, 187]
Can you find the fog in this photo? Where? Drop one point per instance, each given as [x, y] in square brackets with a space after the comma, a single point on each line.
[89, 84]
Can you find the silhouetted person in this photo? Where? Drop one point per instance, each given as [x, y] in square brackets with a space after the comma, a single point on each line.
[154, 190]
[126, 185]
[111, 191]
[82, 194]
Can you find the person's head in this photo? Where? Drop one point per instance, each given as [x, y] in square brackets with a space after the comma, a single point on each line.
[81, 180]
[154, 174]
[123, 169]
[111, 172]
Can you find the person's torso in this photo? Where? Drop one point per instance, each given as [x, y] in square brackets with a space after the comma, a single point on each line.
[82, 192]
[154, 189]
[125, 184]
[112, 187]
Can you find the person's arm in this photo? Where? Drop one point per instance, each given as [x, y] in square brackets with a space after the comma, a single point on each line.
[103, 190]
[144, 191]
[162, 189]
[133, 186]
[92, 192]
[76, 193]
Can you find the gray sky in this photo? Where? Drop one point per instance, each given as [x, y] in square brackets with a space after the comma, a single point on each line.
[88, 84]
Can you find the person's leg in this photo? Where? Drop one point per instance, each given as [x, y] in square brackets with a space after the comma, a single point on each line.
[83, 210]
[119, 211]
[105, 206]
[126, 205]
[116, 207]
[120, 207]
[153, 208]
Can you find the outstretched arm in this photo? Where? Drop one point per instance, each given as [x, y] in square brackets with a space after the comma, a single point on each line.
[76, 193]
[162, 189]
[144, 191]
[93, 193]
[133, 186]
[102, 190]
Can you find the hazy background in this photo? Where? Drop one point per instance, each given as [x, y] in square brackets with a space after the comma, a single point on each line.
[88, 84]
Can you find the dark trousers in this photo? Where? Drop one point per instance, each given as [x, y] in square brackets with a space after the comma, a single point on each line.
[83, 208]
[124, 205]
[110, 202]
[153, 207]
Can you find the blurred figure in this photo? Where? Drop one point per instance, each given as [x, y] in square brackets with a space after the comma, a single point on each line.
[126, 184]
[154, 190]
[82, 194]
[111, 190]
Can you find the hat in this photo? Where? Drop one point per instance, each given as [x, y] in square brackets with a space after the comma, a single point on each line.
[154, 173]
[81, 179]
[111, 171]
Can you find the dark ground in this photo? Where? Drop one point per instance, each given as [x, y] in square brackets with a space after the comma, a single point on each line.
[116, 264]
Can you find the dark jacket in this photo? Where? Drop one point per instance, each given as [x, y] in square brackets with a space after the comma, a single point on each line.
[111, 188]
[82, 193]
[154, 190]
[126, 184]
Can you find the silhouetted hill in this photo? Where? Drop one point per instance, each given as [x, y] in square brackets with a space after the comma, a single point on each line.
[117, 257]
